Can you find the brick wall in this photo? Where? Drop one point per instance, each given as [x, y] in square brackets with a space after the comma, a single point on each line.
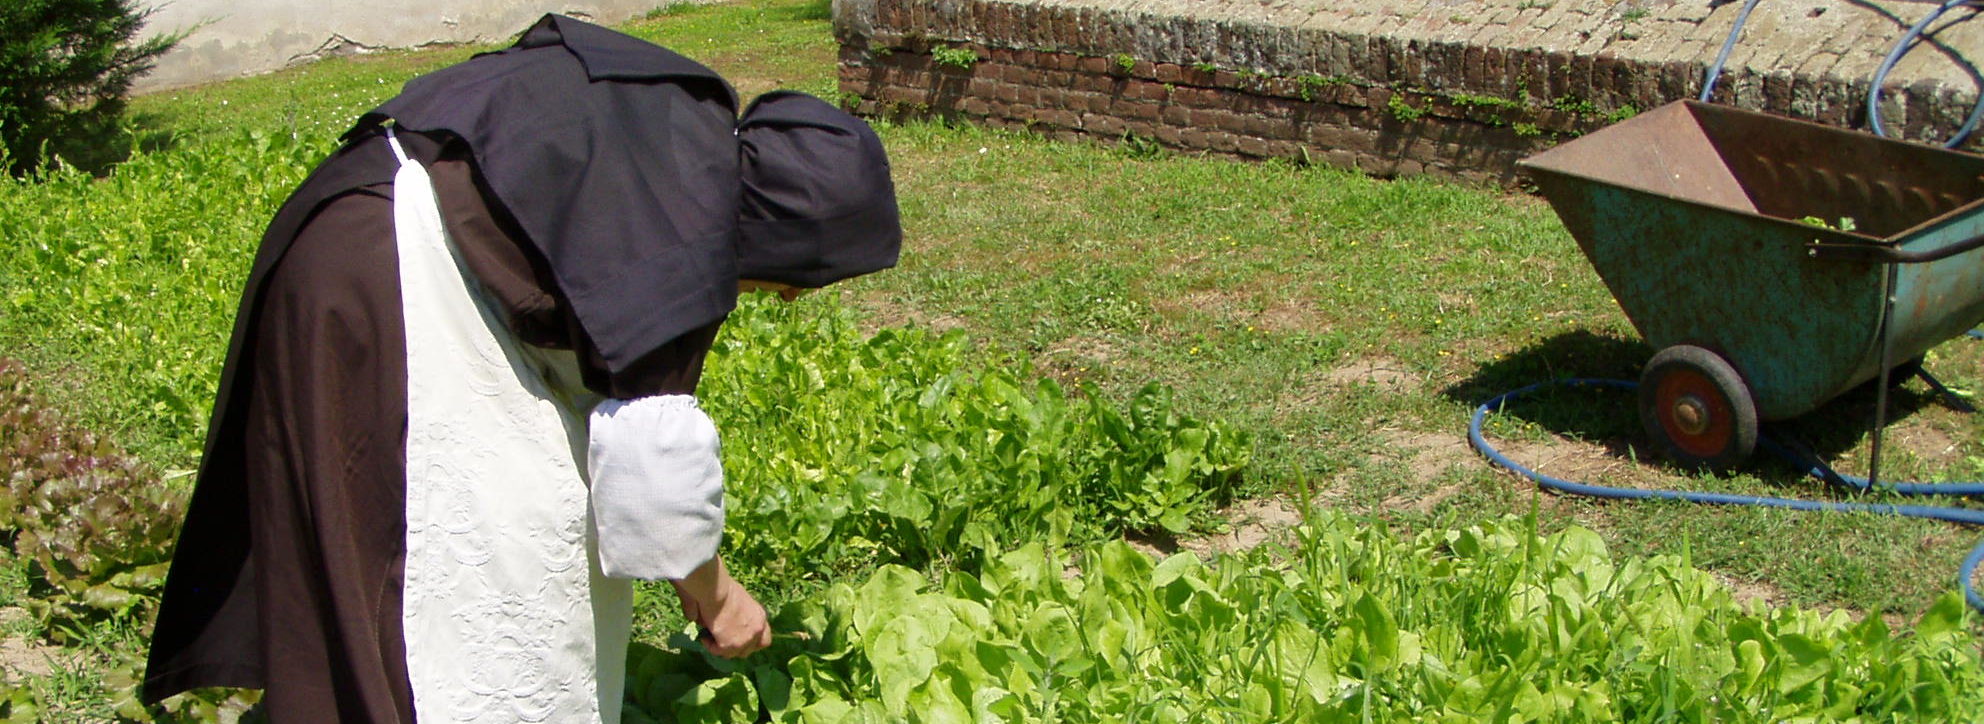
[1460, 89]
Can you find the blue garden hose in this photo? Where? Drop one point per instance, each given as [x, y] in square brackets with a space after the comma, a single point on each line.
[1901, 48]
[1728, 44]
[1817, 470]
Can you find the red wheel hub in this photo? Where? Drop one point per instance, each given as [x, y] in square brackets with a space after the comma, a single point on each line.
[1694, 414]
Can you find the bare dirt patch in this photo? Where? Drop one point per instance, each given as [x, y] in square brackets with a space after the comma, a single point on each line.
[885, 312]
[20, 656]
[1384, 373]
[1216, 303]
[1086, 351]
[1578, 460]
[1251, 523]
[1287, 315]
[1746, 592]
[1430, 453]
[1935, 447]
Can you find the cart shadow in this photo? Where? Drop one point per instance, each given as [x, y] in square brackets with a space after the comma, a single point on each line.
[1609, 417]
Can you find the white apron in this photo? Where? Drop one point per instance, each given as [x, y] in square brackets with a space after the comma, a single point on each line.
[506, 614]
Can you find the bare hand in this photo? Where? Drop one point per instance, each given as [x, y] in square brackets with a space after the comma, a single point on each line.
[733, 622]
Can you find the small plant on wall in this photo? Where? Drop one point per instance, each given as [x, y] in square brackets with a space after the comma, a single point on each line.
[961, 58]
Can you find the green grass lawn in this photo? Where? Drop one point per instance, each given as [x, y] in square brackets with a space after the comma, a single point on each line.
[1349, 324]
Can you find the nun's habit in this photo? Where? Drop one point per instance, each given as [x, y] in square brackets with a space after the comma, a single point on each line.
[592, 201]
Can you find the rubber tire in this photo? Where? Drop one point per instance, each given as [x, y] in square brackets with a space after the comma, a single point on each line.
[1730, 434]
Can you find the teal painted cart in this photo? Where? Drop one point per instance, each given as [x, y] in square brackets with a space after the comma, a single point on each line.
[1760, 255]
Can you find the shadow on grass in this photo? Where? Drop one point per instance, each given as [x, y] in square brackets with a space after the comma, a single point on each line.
[96, 148]
[1610, 417]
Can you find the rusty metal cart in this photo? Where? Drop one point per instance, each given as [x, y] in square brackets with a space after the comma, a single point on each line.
[1773, 263]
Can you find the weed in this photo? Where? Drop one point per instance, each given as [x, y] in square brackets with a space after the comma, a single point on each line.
[1205, 67]
[1621, 113]
[1574, 105]
[1534, 5]
[1634, 14]
[1467, 100]
[1308, 84]
[954, 56]
[1124, 63]
[1142, 148]
[1527, 130]
[1403, 111]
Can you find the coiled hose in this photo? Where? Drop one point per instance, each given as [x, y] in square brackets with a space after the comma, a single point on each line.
[1901, 48]
[1813, 468]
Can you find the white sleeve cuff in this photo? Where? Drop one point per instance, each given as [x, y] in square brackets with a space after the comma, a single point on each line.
[657, 486]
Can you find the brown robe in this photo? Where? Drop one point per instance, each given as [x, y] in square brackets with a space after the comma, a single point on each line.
[310, 611]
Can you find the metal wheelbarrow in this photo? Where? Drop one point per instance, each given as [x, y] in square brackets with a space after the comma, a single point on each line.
[1774, 263]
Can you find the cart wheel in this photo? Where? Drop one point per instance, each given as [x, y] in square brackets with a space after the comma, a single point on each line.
[1697, 409]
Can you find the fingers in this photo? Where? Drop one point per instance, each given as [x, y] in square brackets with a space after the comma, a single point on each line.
[738, 628]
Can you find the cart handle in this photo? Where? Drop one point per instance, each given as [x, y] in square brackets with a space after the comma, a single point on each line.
[1887, 252]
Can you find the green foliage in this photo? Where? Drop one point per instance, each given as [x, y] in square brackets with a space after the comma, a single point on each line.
[1574, 105]
[18, 706]
[1124, 63]
[1846, 223]
[1401, 110]
[1308, 83]
[669, 10]
[64, 68]
[1466, 100]
[955, 57]
[97, 525]
[1205, 67]
[843, 451]
[137, 276]
[1489, 623]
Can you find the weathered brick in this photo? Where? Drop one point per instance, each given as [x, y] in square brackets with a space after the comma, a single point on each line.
[899, 94]
[1095, 83]
[1057, 117]
[1136, 110]
[1103, 124]
[1251, 146]
[1035, 53]
[1271, 128]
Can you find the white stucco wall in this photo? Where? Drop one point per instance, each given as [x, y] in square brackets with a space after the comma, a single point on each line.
[245, 37]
